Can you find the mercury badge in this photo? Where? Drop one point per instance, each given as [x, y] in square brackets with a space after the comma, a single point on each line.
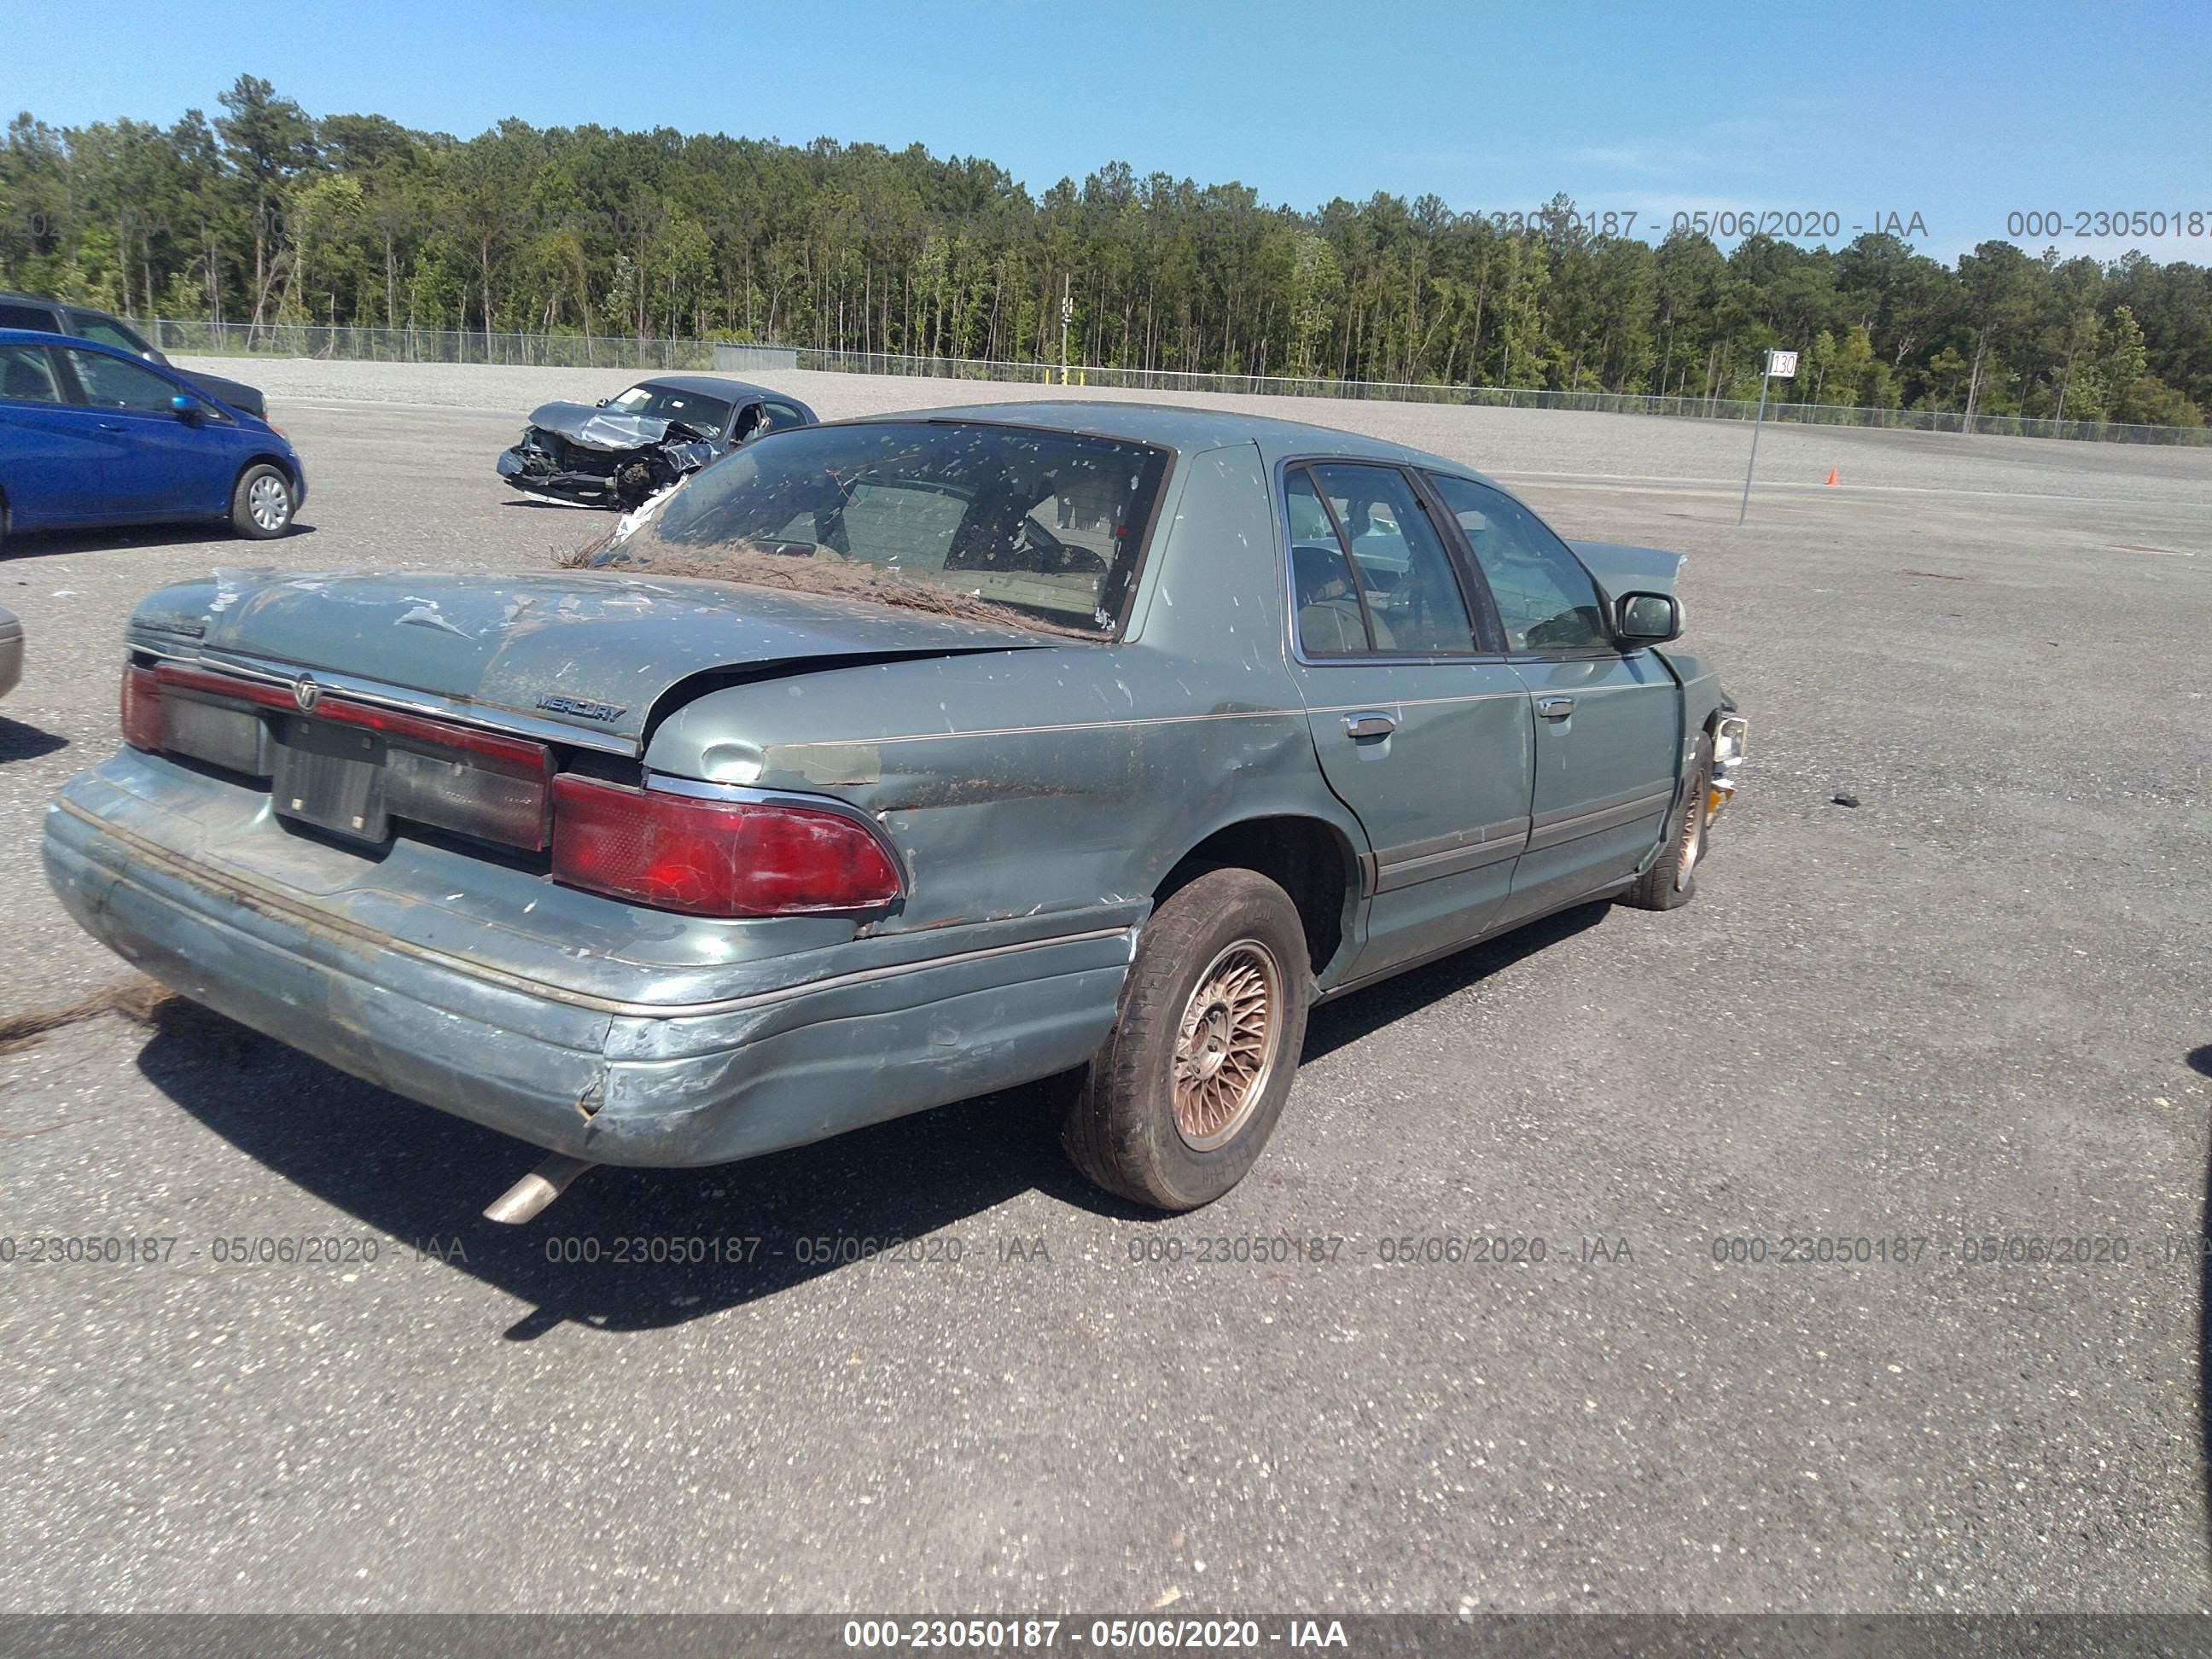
[582, 707]
[307, 693]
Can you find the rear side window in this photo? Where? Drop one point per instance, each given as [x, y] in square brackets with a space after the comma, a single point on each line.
[110, 383]
[781, 415]
[41, 318]
[1370, 543]
[27, 375]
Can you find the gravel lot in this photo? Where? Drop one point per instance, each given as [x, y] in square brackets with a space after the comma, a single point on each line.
[1975, 1006]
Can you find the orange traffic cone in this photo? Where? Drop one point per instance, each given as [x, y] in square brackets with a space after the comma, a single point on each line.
[1832, 477]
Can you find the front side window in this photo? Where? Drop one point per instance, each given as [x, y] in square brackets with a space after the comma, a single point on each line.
[27, 375]
[1546, 600]
[1364, 538]
[997, 523]
[111, 383]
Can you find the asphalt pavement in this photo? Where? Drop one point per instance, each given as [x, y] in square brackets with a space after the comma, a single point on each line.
[1849, 1218]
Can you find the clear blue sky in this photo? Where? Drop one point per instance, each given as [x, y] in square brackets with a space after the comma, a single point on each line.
[1959, 113]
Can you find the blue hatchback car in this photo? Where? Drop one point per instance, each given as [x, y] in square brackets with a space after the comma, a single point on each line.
[90, 436]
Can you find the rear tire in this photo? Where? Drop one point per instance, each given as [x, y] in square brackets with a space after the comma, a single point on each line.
[1179, 1101]
[1672, 880]
[262, 502]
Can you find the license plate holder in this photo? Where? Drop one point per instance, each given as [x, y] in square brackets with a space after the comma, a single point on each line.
[330, 776]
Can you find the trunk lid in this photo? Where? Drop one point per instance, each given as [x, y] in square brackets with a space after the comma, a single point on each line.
[591, 650]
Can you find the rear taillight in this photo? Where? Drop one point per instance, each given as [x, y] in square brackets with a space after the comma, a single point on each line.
[715, 858]
[708, 858]
[142, 707]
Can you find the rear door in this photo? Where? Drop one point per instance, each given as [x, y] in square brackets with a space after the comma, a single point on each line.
[157, 462]
[1421, 729]
[1607, 722]
[50, 450]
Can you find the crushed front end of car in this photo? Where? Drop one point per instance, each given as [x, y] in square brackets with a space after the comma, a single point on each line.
[582, 452]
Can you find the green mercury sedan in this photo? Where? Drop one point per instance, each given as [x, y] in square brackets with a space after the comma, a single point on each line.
[890, 761]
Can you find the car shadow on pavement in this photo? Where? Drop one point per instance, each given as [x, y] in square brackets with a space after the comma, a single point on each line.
[22, 742]
[624, 1249]
[1333, 1024]
[51, 543]
[636, 1249]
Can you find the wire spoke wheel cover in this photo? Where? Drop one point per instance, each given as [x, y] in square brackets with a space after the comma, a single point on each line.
[1693, 837]
[1228, 1043]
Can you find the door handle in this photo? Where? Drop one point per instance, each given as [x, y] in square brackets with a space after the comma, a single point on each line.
[1369, 725]
[114, 426]
[1555, 709]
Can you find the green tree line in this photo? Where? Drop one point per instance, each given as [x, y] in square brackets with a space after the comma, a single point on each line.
[265, 214]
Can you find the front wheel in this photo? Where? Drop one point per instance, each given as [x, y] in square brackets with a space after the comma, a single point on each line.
[261, 503]
[1672, 880]
[1180, 1100]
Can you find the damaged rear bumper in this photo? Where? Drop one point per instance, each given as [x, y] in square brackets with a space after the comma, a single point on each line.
[836, 1038]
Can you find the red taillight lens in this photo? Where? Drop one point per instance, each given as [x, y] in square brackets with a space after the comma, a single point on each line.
[142, 707]
[714, 858]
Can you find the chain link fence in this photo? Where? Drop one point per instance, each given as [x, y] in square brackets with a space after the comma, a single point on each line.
[420, 345]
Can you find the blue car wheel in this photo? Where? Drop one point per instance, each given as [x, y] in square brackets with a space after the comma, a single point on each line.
[261, 505]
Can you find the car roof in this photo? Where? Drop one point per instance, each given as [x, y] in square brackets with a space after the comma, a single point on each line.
[38, 337]
[1185, 427]
[714, 385]
[10, 297]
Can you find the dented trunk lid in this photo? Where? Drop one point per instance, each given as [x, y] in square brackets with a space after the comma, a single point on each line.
[593, 651]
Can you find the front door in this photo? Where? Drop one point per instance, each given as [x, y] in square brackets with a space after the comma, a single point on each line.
[156, 463]
[1607, 722]
[1426, 741]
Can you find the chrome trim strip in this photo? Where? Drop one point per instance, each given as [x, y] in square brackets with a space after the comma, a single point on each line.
[512, 722]
[1026, 730]
[1561, 829]
[1452, 861]
[262, 900]
[1513, 829]
[1603, 803]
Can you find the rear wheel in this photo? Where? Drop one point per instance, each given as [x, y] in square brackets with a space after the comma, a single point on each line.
[261, 503]
[1180, 1100]
[1672, 880]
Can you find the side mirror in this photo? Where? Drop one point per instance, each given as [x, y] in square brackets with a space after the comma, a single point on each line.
[1641, 619]
[187, 407]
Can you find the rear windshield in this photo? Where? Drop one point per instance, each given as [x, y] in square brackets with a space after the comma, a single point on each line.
[661, 402]
[1007, 523]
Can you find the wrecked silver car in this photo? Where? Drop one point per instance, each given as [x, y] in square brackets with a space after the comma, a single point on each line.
[621, 451]
[890, 763]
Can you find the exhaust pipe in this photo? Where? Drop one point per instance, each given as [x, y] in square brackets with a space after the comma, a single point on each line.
[524, 1200]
